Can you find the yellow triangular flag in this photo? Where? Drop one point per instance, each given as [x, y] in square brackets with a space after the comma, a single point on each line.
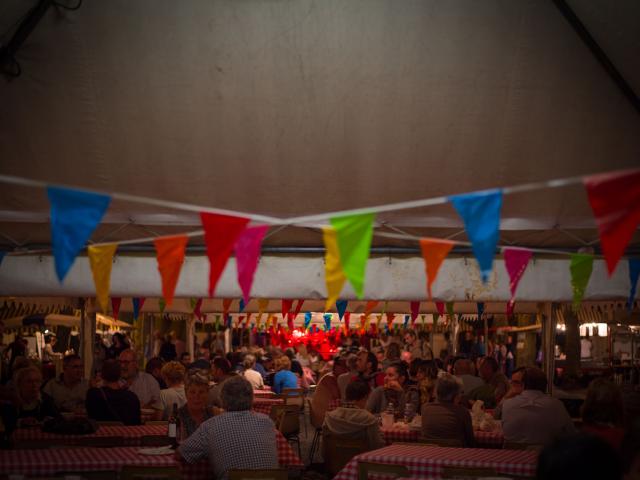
[101, 260]
[333, 273]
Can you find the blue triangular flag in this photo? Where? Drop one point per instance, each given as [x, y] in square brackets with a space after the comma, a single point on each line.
[634, 272]
[481, 215]
[229, 321]
[136, 307]
[406, 320]
[2, 254]
[341, 306]
[327, 321]
[480, 306]
[307, 319]
[242, 304]
[74, 217]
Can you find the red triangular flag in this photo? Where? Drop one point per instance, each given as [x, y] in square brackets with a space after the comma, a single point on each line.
[226, 305]
[170, 256]
[390, 318]
[415, 309]
[440, 307]
[371, 304]
[220, 235]
[196, 309]
[115, 306]
[434, 251]
[346, 317]
[298, 307]
[286, 306]
[516, 261]
[615, 201]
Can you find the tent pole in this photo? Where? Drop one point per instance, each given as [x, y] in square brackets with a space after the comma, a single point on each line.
[191, 322]
[548, 343]
[87, 334]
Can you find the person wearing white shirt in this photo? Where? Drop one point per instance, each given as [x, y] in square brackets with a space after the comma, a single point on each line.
[173, 375]
[253, 376]
[533, 417]
[141, 383]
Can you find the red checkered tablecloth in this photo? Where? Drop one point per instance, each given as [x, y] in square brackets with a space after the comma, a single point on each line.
[423, 461]
[483, 439]
[132, 434]
[263, 405]
[50, 461]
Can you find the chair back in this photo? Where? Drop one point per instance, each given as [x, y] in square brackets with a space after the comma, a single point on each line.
[312, 418]
[286, 418]
[387, 469]
[273, 474]
[338, 450]
[467, 472]
[293, 396]
[130, 472]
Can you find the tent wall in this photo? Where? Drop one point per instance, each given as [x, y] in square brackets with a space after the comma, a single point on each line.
[297, 277]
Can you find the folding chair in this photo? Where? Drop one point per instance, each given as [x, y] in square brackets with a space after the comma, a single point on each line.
[287, 420]
[339, 450]
[315, 443]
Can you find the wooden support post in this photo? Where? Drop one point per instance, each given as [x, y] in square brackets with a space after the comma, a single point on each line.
[549, 341]
[87, 335]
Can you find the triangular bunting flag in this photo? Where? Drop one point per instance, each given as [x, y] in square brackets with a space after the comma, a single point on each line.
[480, 212]
[615, 201]
[138, 303]
[161, 304]
[247, 250]
[74, 217]
[327, 321]
[440, 307]
[415, 310]
[516, 261]
[170, 255]
[220, 235]
[406, 320]
[226, 305]
[634, 272]
[390, 318]
[286, 306]
[333, 275]
[341, 306]
[347, 318]
[115, 306]
[296, 311]
[581, 268]
[354, 233]
[363, 320]
[197, 308]
[510, 307]
[101, 261]
[449, 306]
[217, 323]
[434, 252]
[307, 320]
[2, 254]
[371, 304]
[241, 305]
[480, 308]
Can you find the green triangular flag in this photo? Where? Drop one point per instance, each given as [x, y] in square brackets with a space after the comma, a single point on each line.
[217, 324]
[449, 307]
[354, 233]
[162, 304]
[581, 268]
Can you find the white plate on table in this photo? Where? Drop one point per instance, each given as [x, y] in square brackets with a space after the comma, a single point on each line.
[164, 450]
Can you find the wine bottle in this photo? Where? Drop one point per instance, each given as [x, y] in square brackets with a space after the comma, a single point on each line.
[173, 426]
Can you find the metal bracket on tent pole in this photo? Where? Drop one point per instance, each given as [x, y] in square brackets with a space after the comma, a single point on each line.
[599, 54]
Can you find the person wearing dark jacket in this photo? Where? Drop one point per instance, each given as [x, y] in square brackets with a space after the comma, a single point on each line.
[111, 402]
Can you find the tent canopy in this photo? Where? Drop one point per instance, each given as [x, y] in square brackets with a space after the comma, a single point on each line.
[293, 108]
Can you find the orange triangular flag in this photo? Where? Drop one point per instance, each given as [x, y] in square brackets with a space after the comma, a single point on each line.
[170, 255]
[371, 304]
[434, 251]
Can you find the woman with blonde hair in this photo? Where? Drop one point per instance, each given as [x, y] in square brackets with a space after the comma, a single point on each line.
[173, 375]
[195, 411]
[284, 377]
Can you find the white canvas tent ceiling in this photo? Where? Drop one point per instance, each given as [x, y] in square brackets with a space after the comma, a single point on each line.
[292, 108]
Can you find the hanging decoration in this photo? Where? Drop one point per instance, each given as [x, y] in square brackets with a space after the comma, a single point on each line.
[347, 317]
[170, 253]
[333, 274]
[515, 261]
[634, 272]
[353, 235]
[197, 308]
[247, 250]
[371, 304]
[101, 261]
[138, 303]
[415, 310]
[161, 305]
[341, 307]
[581, 268]
[220, 235]
[615, 201]
[74, 216]
[434, 252]
[480, 309]
[480, 212]
[327, 321]
[440, 307]
[307, 320]
[115, 306]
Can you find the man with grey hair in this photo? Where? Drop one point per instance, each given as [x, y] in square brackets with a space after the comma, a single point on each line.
[446, 419]
[237, 438]
[252, 376]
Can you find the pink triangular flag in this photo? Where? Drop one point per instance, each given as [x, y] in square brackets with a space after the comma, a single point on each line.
[298, 308]
[516, 261]
[247, 254]
[440, 307]
[415, 309]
